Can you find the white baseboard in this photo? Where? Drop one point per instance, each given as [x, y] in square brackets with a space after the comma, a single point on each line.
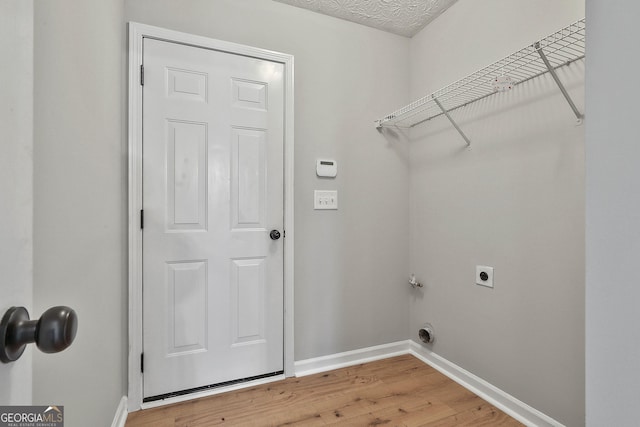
[492, 394]
[120, 419]
[350, 358]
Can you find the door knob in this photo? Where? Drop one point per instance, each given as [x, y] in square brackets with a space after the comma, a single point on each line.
[52, 333]
[275, 234]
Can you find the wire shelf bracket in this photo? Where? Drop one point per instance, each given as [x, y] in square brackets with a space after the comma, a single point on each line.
[453, 123]
[547, 55]
[552, 71]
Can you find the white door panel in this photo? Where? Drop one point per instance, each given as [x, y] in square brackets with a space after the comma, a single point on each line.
[212, 191]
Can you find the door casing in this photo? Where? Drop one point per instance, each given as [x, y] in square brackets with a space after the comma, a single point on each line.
[137, 32]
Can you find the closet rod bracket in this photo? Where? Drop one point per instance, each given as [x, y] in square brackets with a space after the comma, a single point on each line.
[552, 71]
[453, 123]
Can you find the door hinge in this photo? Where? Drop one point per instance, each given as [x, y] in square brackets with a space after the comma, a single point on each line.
[142, 75]
[142, 363]
[141, 219]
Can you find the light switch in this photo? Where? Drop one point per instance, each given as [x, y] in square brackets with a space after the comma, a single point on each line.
[325, 199]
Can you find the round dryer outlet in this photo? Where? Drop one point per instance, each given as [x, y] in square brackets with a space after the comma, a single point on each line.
[426, 334]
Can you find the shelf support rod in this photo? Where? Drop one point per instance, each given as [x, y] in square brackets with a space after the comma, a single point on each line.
[455, 125]
[577, 112]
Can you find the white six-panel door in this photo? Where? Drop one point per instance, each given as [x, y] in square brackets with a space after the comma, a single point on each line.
[212, 192]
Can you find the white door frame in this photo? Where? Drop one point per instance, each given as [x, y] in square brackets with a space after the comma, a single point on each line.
[136, 34]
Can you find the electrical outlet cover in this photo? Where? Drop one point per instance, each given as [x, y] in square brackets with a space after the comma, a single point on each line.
[485, 279]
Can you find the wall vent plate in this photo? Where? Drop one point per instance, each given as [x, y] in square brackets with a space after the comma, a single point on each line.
[484, 276]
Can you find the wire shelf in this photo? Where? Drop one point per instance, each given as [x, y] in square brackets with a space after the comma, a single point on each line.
[554, 51]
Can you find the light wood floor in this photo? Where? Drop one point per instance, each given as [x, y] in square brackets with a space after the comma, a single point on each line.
[401, 391]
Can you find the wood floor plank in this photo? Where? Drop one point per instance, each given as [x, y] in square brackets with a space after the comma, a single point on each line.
[481, 415]
[399, 391]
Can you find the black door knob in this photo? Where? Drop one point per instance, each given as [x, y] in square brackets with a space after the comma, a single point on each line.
[275, 234]
[53, 332]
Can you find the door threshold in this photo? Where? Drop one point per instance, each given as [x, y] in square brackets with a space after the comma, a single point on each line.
[210, 390]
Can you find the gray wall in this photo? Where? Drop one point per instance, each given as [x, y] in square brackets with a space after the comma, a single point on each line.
[16, 182]
[350, 265]
[80, 200]
[613, 211]
[514, 201]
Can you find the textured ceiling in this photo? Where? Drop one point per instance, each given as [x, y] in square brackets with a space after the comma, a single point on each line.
[403, 17]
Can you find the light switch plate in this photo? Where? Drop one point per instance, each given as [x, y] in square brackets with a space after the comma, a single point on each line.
[485, 279]
[325, 199]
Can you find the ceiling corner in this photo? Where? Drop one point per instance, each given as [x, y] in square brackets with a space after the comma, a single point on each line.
[402, 17]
